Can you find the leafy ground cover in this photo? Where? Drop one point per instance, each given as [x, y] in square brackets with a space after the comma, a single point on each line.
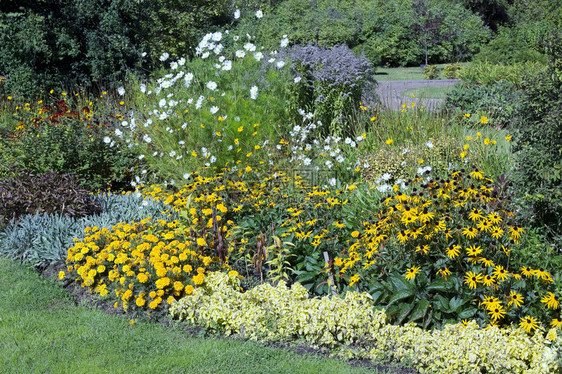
[56, 335]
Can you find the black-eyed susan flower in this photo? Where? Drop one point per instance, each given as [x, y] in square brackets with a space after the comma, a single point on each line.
[453, 251]
[411, 272]
[515, 298]
[472, 279]
[488, 280]
[500, 273]
[528, 323]
[556, 323]
[551, 301]
[497, 312]
[470, 232]
[444, 272]
[473, 250]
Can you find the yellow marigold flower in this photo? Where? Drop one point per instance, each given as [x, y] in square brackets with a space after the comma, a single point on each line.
[142, 277]
[207, 260]
[198, 279]
[411, 272]
[170, 300]
[61, 275]
[201, 242]
[355, 234]
[162, 282]
[140, 301]
[551, 301]
[154, 303]
[528, 323]
[188, 289]
[483, 119]
[187, 268]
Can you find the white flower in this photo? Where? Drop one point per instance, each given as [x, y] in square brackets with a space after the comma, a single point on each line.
[217, 36]
[332, 182]
[386, 176]
[214, 109]
[143, 54]
[227, 65]
[347, 140]
[162, 103]
[163, 116]
[143, 87]
[297, 79]
[212, 159]
[235, 38]
[199, 102]
[366, 165]
[141, 157]
[240, 53]
[329, 164]
[205, 55]
[172, 153]
[307, 161]
[173, 65]
[353, 144]
[384, 188]
[280, 64]
[429, 144]
[237, 14]
[218, 49]
[147, 138]
[284, 42]
[211, 85]
[258, 56]
[254, 92]
[121, 91]
[107, 140]
[271, 60]
[118, 132]
[259, 14]
[188, 77]
[340, 158]
[181, 61]
[249, 47]
[164, 56]
[359, 138]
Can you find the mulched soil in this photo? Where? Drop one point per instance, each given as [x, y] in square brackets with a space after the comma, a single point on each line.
[82, 296]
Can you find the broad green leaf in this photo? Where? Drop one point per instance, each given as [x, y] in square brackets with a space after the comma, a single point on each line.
[420, 310]
[405, 309]
[401, 295]
[468, 313]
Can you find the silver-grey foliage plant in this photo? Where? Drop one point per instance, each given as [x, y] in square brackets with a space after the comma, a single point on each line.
[43, 239]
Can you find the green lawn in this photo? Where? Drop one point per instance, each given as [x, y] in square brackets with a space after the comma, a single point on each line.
[43, 331]
[403, 74]
[428, 92]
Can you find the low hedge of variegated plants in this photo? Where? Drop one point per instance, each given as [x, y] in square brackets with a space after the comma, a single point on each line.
[272, 200]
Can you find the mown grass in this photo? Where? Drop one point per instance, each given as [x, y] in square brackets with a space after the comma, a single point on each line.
[428, 92]
[43, 331]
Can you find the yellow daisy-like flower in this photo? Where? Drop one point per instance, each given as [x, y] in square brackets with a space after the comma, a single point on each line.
[473, 250]
[528, 323]
[61, 275]
[201, 242]
[497, 313]
[470, 232]
[556, 323]
[411, 272]
[515, 298]
[444, 272]
[500, 273]
[483, 119]
[496, 232]
[389, 141]
[551, 301]
[488, 280]
[453, 251]
[472, 279]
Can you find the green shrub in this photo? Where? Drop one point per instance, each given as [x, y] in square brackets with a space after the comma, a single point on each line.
[46, 193]
[95, 43]
[500, 103]
[58, 138]
[451, 71]
[431, 72]
[539, 140]
[487, 74]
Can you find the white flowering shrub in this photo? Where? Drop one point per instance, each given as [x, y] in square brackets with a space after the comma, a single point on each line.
[221, 108]
[268, 312]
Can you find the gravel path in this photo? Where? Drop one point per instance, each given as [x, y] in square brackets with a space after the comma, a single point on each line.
[391, 93]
